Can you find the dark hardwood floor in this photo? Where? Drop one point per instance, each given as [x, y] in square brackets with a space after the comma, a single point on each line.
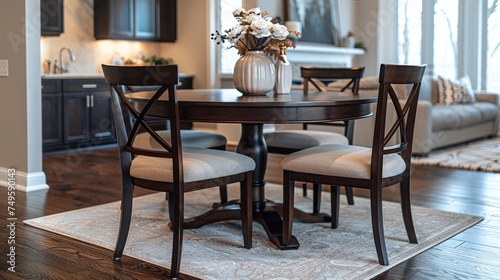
[82, 179]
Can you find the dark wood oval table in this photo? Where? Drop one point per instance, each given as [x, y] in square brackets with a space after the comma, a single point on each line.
[252, 112]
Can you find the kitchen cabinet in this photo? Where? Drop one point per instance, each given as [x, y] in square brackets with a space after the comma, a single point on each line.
[144, 20]
[52, 135]
[87, 113]
[51, 17]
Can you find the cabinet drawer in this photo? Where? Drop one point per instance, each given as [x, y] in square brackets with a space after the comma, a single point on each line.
[84, 85]
[51, 85]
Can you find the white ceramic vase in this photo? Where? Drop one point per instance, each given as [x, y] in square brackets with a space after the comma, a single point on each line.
[254, 74]
[283, 81]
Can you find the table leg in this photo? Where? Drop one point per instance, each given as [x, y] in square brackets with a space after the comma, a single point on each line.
[252, 144]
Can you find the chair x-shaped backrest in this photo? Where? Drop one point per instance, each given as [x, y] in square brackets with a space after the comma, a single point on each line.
[353, 74]
[163, 79]
[405, 116]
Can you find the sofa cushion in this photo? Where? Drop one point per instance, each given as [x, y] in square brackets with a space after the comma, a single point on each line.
[455, 92]
[462, 115]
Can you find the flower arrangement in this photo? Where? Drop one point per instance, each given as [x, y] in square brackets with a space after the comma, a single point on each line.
[256, 31]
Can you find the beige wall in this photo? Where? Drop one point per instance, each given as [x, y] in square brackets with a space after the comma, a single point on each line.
[20, 109]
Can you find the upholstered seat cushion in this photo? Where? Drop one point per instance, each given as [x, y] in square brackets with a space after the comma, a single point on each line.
[303, 139]
[189, 138]
[341, 160]
[199, 164]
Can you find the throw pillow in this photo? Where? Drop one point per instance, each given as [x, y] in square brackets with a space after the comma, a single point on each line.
[455, 92]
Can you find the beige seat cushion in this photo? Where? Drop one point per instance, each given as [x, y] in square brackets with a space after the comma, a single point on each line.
[189, 138]
[303, 139]
[341, 160]
[199, 164]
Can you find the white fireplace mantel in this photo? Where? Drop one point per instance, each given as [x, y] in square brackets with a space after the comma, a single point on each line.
[322, 53]
[319, 55]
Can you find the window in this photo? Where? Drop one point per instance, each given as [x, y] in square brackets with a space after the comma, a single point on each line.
[445, 59]
[228, 56]
[493, 56]
[453, 37]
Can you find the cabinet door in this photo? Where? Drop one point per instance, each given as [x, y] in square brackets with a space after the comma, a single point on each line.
[113, 19]
[122, 18]
[51, 17]
[167, 21]
[52, 137]
[76, 118]
[102, 129]
[145, 19]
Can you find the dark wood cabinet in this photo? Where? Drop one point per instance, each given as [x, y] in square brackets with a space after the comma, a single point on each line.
[145, 20]
[51, 17]
[87, 113]
[76, 113]
[52, 133]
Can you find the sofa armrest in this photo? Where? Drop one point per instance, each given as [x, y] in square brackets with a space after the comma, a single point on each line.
[490, 97]
[422, 134]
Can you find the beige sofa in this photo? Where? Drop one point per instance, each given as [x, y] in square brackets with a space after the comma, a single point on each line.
[440, 126]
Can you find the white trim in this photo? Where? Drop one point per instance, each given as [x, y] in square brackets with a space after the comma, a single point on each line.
[310, 52]
[25, 182]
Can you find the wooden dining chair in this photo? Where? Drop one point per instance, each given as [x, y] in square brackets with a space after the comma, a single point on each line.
[173, 168]
[369, 168]
[290, 141]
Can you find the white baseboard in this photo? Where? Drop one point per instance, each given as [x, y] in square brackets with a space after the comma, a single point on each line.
[25, 182]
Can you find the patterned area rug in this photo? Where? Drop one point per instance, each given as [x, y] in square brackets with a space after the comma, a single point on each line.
[215, 251]
[483, 155]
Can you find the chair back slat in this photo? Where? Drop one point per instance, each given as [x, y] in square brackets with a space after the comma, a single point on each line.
[354, 74]
[410, 75]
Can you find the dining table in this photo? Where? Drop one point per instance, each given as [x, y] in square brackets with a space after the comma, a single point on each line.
[252, 112]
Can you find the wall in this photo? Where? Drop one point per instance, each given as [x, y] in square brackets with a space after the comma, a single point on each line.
[20, 109]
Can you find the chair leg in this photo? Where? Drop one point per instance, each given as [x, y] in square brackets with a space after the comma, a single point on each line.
[378, 224]
[246, 209]
[349, 195]
[316, 198]
[223, 194]
[170, 197]
[406, 210]
[125, 219]
[177, 229]
[288, 207]
[335, 201]
[304, 189]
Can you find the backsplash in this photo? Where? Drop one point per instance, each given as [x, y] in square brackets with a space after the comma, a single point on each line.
[79, 37]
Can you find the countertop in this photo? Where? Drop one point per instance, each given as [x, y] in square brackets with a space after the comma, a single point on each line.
[87, 76]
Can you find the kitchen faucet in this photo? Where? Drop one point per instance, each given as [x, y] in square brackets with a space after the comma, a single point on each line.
[63, 69]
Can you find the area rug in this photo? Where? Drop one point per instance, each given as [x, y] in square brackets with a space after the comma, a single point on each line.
[482, 155]
[216, 251]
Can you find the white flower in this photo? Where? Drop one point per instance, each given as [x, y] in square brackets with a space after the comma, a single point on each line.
[252, 17]
[254, 11]
[255, 31]
[235, 32]
[239, 12]
[279, 31]
[260, 28]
